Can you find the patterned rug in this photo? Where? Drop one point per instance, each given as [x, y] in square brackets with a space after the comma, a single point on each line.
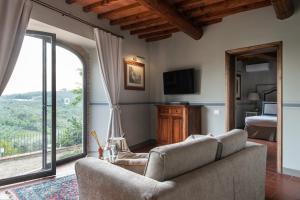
[64, 188]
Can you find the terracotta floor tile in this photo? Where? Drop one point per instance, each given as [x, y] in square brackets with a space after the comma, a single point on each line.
[278, 186]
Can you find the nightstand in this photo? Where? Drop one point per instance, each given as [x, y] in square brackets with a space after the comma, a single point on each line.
[251, 113]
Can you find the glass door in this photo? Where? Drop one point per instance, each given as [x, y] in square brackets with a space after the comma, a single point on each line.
[28, 113]
[70, 105]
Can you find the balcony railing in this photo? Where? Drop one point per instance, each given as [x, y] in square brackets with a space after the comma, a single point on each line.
[12, 145]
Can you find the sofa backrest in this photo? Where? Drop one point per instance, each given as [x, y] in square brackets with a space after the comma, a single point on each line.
[231, 142]
[172, 160]
[239, 176]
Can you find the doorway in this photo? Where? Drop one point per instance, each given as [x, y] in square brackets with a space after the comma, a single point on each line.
[28, 113]
[42, 112]
[266, 98]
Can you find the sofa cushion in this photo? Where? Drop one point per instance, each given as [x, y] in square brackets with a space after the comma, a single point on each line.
[172, 160]
[231, 142]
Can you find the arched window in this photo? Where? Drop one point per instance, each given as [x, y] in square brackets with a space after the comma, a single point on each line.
[43, 102]
[70, 104]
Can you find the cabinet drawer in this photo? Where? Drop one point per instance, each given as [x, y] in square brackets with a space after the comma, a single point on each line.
[176, 110]
[164, 110]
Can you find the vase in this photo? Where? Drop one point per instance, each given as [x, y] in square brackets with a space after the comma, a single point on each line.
[100, 153]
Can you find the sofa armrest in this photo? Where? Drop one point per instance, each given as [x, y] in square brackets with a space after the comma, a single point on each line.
[100, 180]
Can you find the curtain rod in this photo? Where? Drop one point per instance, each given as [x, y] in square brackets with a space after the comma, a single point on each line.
[74, 17]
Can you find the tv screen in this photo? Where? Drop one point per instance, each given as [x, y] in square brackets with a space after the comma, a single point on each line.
[179, 82]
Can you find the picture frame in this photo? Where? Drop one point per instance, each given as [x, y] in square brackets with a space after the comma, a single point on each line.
[134, 75]
[238, 91]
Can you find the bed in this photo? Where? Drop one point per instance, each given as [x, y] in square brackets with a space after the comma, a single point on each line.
[263, 126]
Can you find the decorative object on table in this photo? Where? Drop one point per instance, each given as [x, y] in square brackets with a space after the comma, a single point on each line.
[62, 188]
[113, 147]
[135, 162]
[120, 143]
[100, 149]
[110, 153]
[238, 91]
[119, 154]
[134, 75]
[254, 96]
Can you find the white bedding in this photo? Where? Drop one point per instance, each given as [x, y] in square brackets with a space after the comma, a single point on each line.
[263, 120]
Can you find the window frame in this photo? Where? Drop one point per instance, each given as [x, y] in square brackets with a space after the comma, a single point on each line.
[84, 87]
[50, 172]
[55, 162]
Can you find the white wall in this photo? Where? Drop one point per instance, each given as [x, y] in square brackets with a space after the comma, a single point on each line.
[135, 117]
[208, 55]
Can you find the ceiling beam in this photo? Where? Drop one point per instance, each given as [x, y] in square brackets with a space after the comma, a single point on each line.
[159, 33]
[91, 7]
[226, 12]
[222, 6]
[283, 8]
[170, 14]
[132, 18]
[210, 22]
[143, 24]
[151, 29]
[161, 37]
[118, 10]
[190, 4]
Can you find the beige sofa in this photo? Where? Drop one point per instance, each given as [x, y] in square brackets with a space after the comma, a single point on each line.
[200, 168]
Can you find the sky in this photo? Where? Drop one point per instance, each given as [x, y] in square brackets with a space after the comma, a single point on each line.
[27, 74]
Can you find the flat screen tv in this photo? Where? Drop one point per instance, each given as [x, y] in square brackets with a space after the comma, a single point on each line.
[179, 82]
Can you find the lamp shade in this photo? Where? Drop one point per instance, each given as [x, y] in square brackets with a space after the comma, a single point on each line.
[253, 96]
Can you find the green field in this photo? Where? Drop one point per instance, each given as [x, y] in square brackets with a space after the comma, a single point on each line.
[21, 121]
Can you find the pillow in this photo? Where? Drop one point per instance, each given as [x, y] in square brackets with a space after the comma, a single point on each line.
[231, 142]
[172, 160]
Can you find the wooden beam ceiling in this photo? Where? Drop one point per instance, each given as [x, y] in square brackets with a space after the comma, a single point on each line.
[232, 10]
[152, 29]
[91, 7]
[283, 8]
[159, 33]
[210, 22]
[167, 12]
[153, 39]
[133, 18]
[118, 10]
[191, 4]
[143, 24]
[158, 19]
[232, 4]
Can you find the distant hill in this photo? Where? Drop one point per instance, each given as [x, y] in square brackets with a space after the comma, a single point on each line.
[62, 96]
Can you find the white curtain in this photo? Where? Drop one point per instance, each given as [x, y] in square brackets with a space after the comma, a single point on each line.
[14, 17]
[109, 49]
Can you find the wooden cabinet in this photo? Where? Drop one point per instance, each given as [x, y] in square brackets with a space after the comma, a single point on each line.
[177, 122]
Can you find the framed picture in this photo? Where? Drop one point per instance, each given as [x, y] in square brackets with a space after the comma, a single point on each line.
[134, 75]
[238, 92]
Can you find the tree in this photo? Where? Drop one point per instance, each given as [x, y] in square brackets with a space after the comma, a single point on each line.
[8, 148]
[78, 92]
[72, 134]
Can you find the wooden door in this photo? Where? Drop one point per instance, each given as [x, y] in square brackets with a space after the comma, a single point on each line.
[176, 129]
[164, 129]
